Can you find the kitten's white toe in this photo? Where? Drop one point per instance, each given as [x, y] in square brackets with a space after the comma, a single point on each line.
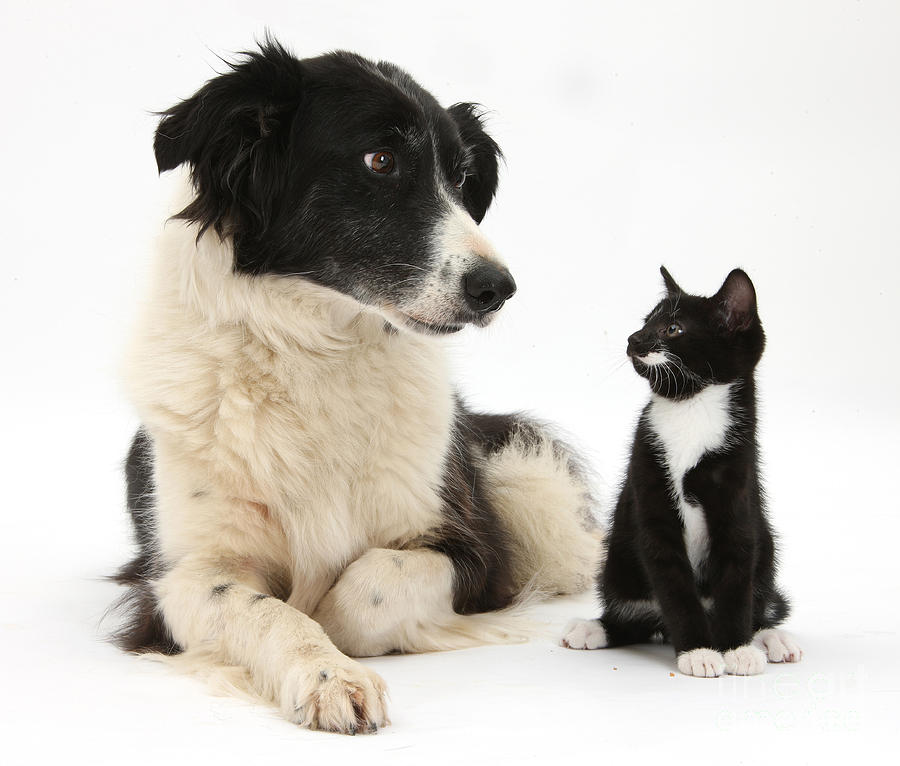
[584, 634]
[778, 645]
[746, 660]
[705, 663]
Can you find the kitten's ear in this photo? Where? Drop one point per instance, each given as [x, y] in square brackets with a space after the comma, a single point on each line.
[736, 301]
[671, 284]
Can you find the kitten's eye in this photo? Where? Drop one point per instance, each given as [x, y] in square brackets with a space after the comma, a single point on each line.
[674, 330]
[380, 162]
[460, 179]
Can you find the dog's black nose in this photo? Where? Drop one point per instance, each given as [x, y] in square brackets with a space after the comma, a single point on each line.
[487, 288]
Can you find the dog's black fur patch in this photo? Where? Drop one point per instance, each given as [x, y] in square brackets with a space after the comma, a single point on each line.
[144, 629]
[472, 536]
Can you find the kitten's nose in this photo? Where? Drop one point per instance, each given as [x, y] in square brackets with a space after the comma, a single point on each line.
[638, 344]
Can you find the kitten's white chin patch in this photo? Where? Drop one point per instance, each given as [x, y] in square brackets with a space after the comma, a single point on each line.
[584, 634]
[653, 359]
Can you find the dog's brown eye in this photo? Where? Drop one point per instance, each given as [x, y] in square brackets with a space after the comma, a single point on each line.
[460, 179]
[380, 162]
[674, 330]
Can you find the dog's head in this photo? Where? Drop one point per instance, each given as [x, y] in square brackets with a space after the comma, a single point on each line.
[345, 172]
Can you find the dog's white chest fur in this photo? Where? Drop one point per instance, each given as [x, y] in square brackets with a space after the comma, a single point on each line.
[686, 431]
[281, 396]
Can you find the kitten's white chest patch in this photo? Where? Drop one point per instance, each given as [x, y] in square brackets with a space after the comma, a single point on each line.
[686, 431]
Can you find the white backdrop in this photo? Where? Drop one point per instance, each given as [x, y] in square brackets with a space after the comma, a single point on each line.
[704, 135]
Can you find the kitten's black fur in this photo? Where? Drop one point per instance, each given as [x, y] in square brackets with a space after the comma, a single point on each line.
[648, 585]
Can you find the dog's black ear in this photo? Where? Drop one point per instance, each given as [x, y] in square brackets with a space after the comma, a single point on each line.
[481, 178]
[232, 133]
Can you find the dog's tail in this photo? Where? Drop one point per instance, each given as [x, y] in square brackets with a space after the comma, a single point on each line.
[515, 624]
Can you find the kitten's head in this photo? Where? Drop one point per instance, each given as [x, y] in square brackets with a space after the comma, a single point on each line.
[689, 342]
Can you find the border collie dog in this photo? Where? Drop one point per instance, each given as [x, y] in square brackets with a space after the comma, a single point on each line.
[306, 484]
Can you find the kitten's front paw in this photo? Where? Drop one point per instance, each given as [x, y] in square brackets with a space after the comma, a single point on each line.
[334, 694]
[584, 634]
[778, 645]
[705, 663]
[746, 660]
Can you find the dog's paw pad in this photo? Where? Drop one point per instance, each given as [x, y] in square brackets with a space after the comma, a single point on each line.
[777, 645]
[584, 634]
[704, 663]
[745, 660]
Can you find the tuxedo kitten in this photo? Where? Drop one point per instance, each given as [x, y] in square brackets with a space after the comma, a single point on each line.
[691, 555]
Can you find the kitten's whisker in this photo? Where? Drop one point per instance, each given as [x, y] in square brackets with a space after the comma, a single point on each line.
[612, 369]
[684, 378]
[670, 372]
[669, 376]
[616, 366]
[690, 376]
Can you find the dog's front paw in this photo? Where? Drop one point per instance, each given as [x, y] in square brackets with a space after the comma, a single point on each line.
[334, 694]
[705, 663]
[584, 634]
[745, 660]
[778, 645]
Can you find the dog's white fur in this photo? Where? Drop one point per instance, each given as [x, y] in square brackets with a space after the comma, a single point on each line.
[297, 442]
